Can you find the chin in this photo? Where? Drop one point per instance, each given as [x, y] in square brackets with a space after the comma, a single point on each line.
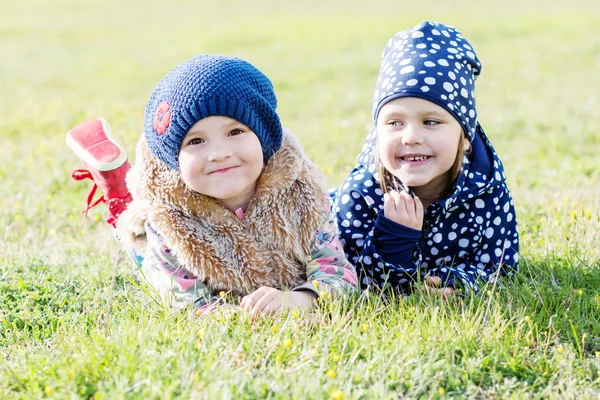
[224, 196]
[411, 180]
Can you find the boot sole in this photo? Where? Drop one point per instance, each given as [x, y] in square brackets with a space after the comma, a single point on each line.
[92, 141]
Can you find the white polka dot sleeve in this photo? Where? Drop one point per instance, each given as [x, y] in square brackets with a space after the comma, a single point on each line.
[357, 208]
[489, 246]
[466, 243]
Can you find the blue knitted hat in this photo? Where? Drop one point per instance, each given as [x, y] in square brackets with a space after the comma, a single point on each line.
[434, 62]
[210, 85]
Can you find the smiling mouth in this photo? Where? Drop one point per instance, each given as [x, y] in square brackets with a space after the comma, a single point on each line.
[415, 158]
[222, 170]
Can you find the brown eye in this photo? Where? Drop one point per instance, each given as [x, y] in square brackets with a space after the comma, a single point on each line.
[195, 141]
[236, 132]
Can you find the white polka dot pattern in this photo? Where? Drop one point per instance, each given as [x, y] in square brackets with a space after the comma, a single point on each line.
[471, 236]
[432, 61]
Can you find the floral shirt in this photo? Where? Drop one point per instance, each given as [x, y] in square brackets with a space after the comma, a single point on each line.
[328, 271]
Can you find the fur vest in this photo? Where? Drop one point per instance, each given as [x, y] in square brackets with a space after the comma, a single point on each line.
[269, 247]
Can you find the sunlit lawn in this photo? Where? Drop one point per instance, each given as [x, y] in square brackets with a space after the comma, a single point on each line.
[74, 321]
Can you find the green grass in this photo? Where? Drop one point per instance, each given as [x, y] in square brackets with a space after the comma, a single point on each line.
[74, 323]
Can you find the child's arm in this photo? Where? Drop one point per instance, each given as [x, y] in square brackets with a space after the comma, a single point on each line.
[328, 270]
[386, 251]
[163, 272]
[496, 254]
[329, 273]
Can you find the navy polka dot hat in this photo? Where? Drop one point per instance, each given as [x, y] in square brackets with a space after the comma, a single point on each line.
[210, 85]
[434, 62]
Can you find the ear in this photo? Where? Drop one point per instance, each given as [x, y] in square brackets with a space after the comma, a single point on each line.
[466, 145]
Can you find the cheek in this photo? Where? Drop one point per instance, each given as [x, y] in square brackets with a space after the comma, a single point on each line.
[189, 166]
[387, 152]
[253, 154]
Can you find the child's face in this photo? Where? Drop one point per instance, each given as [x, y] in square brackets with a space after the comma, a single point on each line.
[418, 143]
[222, 158]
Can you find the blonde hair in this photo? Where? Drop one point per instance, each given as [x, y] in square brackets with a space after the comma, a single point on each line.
[388, 181]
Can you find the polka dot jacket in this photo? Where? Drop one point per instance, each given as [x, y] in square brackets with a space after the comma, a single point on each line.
[468, 238]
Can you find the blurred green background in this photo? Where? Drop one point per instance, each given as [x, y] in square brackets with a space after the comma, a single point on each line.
[62, 62]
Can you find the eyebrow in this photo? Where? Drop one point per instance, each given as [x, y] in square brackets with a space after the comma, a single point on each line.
[401, 111]
[228, 125]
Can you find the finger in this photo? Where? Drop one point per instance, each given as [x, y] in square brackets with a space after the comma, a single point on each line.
[399, 201]
[262, 305]
[268, 305]
[432, 291]
[434, 281]
[447, 292]
[418, 209]
[388, 205]
[443, 292]
[410, 205]
[250, 300]
[243, 302]
[428, 290]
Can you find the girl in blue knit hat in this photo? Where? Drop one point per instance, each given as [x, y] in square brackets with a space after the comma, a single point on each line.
[221, 198]
[428, 202]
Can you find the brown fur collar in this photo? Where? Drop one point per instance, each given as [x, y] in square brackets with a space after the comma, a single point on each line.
[270, 247]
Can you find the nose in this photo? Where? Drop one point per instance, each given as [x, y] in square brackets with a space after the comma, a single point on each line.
[219, 151]
[412, 135]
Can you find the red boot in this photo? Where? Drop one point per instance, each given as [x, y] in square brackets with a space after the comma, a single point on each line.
[106, 163]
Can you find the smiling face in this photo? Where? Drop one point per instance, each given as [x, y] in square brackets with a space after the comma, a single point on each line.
[418, 144]
[221, 158]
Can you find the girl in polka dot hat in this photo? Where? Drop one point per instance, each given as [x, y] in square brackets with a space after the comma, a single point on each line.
[221, 202]
[428, 202]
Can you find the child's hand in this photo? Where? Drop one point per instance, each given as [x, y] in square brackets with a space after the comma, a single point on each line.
[271, 301]
[403, 209]
[432, 283]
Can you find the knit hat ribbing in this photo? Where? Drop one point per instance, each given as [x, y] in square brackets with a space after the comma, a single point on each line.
[210, 85]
